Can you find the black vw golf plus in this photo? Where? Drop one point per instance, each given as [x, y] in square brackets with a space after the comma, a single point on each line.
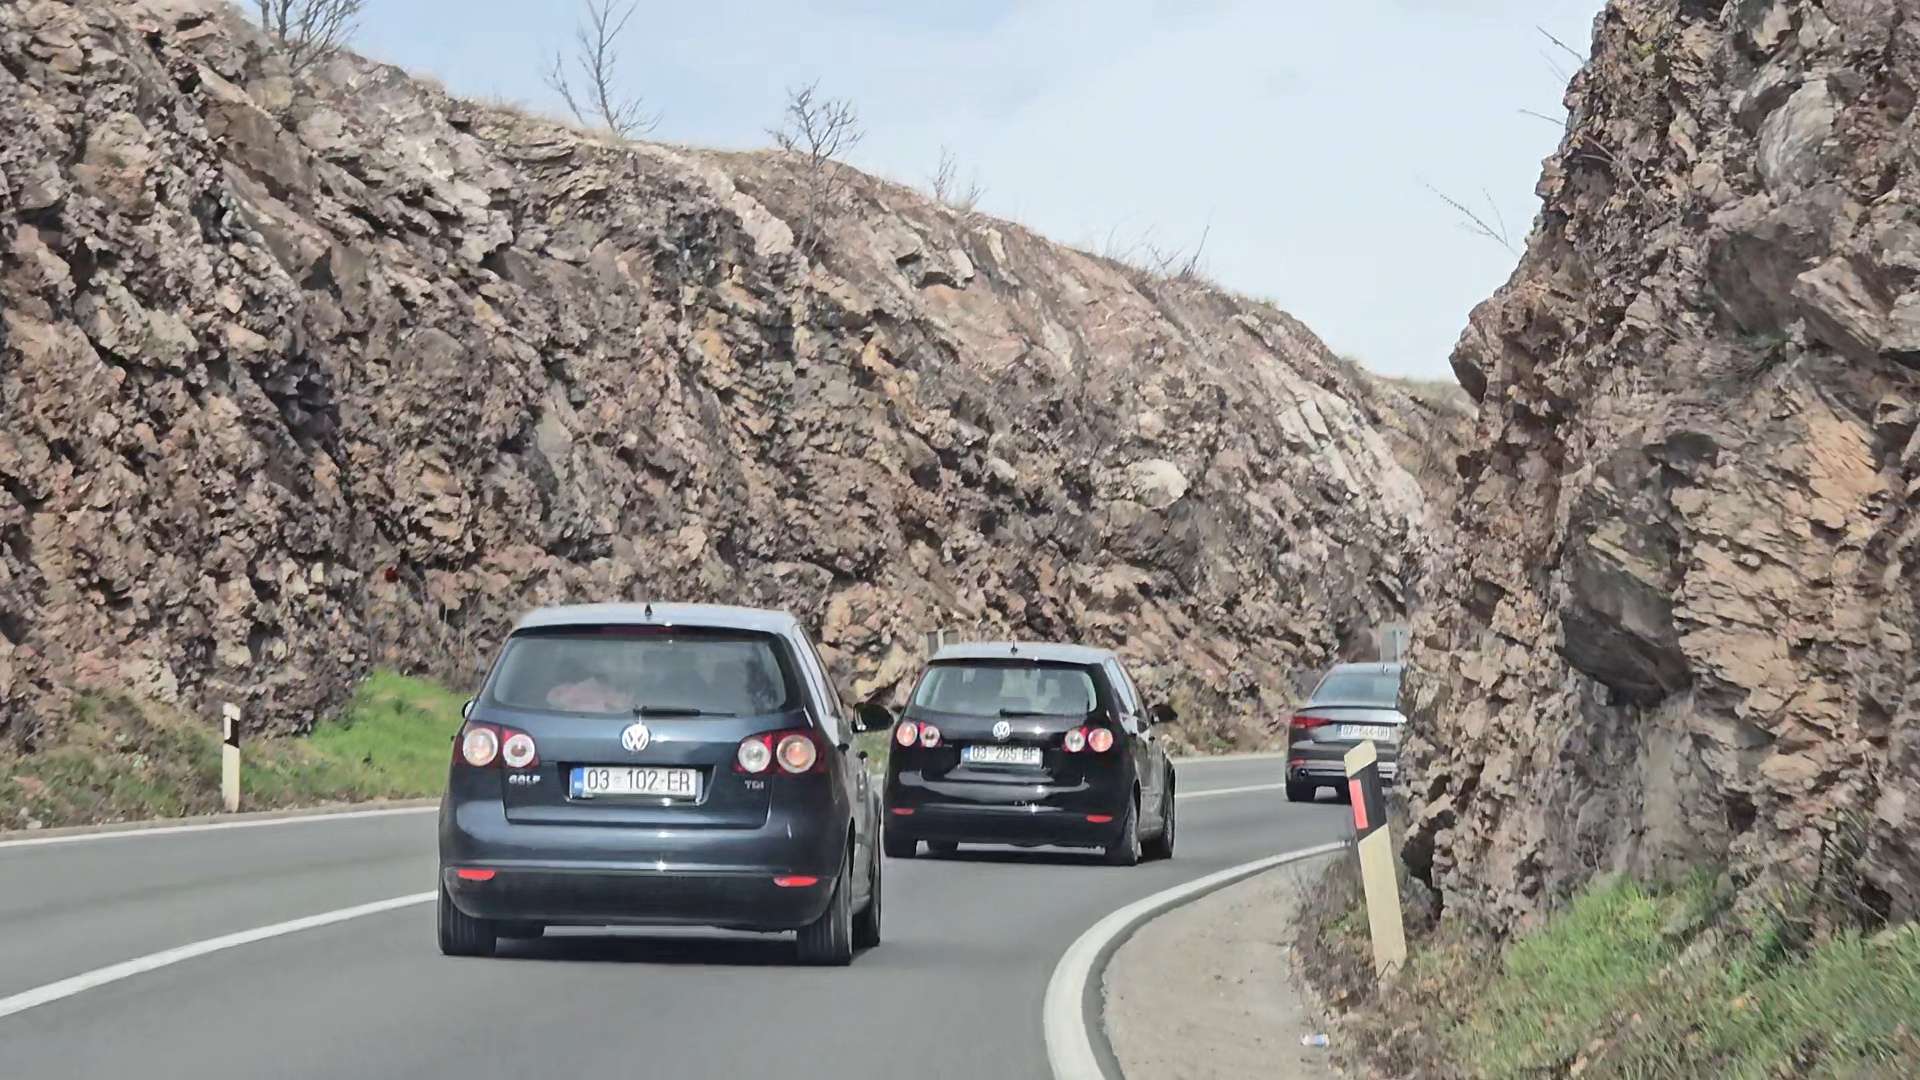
[1014, 743]
[659, 765]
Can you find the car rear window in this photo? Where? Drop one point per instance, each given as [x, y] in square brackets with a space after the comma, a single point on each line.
[983, 689]
[607, 670]
[1380, 688]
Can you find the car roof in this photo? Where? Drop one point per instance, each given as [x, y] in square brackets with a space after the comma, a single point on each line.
[1377, 667]
[1023, 650]
[717, 616]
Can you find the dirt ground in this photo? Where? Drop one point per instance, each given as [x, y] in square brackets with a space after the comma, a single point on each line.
[1206, 991]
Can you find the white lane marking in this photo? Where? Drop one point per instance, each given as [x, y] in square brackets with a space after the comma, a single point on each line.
[1064, 1017]
[214, 826]
[66, 988]
[1205, 792]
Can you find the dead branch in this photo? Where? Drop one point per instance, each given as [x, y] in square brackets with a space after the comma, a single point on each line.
[1578, 58]
[948, 189]
[1473, 222]
[311, 30]
[819, 131]
[597, 102]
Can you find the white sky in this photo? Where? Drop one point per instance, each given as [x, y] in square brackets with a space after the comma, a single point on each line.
[1299, 131]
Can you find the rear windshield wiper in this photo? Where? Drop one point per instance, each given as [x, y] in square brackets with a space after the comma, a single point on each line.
[678, 710]
[1032, 712]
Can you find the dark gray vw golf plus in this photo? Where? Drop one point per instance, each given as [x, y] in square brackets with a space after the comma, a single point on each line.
[659, 765]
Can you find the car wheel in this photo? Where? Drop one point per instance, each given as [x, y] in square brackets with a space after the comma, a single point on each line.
[1161, 846]
[1298, 792]
[942, 847]
[1126, 850]
[899, 847]
[462, 934]
[828, 940]
[866, 925]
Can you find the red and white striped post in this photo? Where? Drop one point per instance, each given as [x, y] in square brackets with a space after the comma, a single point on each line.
[1373, 842]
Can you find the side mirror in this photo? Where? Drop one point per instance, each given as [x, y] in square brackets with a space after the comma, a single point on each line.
[466, 711]
[1162, 714]
[871, 716]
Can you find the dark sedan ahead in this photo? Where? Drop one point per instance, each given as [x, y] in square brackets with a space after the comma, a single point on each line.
[1029, 744]
[655, 765]
[1353, 703]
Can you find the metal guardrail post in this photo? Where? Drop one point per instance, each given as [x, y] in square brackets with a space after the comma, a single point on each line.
[1373, 841]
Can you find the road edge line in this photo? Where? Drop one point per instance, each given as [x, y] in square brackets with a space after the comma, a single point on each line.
[140, 965]
[1071, 1012]
[20, 838]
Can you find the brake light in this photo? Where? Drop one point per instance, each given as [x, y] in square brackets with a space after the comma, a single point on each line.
[1308, 723]
[474, 875]
[797, 753]
[479, 745]
[796, 750]
[796, 881]
[518, 751]
[1075, 741]
[907, 733]
[929, 736]
[755, 754]
[1099, 740]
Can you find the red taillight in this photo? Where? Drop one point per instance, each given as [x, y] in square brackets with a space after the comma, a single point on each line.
[1099, 740]
[1308, 723]
[795, 881]
[1075, 741]
[929, 736]
[903, 811]
[1099, 819]
[907, 733]
[474, 875]
[479, 745]
[796, 751]
[518, 752]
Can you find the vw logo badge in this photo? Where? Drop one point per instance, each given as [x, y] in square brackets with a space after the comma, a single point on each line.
[1002, 729]
[636, 738]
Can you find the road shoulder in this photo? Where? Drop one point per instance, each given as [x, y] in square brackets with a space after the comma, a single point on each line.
[1207, 990]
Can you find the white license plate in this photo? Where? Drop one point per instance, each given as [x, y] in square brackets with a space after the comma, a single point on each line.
[620, 781]
[1000, 755]
[1369, 732]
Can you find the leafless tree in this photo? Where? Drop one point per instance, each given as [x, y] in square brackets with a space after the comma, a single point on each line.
[595, 101]
[819, 131]
[312, 30]
[948, 188]
[1473, 222]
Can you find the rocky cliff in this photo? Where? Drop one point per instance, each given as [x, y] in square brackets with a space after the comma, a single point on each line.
[1679, 628]
[298, 377]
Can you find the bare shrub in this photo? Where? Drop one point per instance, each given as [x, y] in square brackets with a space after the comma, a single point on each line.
[596, 101]
[947, 186]
[819, 131]
[311, 30]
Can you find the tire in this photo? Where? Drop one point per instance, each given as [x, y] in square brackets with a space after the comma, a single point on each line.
[1161, 846]
[462, 934]
[898, 847]
[1126, 850]
[942, 847]
[828, 940]
[866, 924]
[1298, 792]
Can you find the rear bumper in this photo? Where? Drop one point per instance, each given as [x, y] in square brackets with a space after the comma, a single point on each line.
[615, 875]
[1328, 764]
[1006, 813]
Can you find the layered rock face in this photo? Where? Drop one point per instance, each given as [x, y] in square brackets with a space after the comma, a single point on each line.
[303, 377]
[1680, 624]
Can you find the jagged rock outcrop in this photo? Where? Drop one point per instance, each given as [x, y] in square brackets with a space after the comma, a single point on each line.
[302, 376]
[1679, 627]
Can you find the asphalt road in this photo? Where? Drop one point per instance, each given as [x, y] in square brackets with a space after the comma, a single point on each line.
[955, 989]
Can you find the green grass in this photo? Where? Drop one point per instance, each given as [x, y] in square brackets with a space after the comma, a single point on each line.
[117, 759]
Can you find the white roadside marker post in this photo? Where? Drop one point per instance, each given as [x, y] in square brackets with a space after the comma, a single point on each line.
[230, 757]
[1373, 842]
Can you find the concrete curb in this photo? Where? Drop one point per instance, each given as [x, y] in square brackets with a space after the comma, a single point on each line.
[1071, 1015]
[17, 837]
